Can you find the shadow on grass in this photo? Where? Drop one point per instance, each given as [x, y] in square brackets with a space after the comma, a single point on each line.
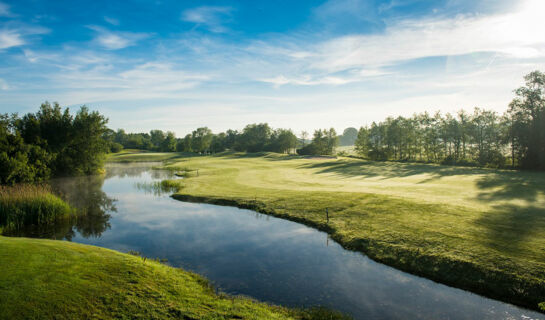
[266, 155]
[388, 169]
[511, 185]
[508, 227]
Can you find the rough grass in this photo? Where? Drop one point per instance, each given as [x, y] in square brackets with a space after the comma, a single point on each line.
[25, 205]
[47, 279]
[477, 229]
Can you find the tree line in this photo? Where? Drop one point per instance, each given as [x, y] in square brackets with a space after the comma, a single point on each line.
[485, 138]
[51, 142]
[253, 138]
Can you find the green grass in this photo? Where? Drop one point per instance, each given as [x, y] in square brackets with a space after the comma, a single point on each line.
[133, 155]
[477, 229]
[25, 205]
[48, 279]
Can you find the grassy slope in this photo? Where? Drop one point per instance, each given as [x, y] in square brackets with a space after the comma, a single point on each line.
[473, 228]
[47, 279]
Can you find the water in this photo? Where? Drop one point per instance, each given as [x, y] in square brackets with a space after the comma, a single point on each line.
[244, 252]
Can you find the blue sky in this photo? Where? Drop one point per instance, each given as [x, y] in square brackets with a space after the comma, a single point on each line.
[178, 65]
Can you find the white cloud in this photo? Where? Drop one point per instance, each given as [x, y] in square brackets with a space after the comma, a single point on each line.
[115, 40]
[213, 18]
[517, 34]
[14, 37]
[10, 38]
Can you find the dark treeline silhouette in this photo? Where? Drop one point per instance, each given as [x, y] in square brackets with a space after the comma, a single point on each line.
[516, 138]
[51, 142]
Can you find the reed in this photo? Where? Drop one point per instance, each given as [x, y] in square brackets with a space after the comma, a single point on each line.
[24, 205]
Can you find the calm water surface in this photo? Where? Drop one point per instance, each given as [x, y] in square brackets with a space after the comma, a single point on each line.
[244, 252]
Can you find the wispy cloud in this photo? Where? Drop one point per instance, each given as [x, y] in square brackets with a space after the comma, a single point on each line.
[112, 21]
[515, 34]
[210, 17]
[115, 40]
[10, 38]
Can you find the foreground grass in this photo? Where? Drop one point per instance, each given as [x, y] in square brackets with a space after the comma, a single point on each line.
[477, 229]
[25, 205]
[48, 279]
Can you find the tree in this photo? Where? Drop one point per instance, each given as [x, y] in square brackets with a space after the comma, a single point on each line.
[201, 139]
[527, 113]
[361, 142]
[218, 142]
[254, 137]
[348, 137]
[169, 143]
[157, 137]
[304, 137]
[282, 140]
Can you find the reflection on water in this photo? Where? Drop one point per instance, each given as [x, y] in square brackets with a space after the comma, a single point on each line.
[244, 252]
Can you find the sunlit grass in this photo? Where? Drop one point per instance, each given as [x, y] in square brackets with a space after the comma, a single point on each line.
[25, 205]
[478, 229]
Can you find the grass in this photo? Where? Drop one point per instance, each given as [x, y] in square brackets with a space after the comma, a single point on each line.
[25, 205]
[133, 155]
[477, 229]
[48, 279]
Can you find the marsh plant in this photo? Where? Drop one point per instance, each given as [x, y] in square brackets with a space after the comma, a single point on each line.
[24, 205]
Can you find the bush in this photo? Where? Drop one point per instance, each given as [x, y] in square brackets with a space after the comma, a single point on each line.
[25, 205]
[116, 147]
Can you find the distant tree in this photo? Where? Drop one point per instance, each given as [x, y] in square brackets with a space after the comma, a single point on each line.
[254, 137]
[218, 143]
[282, 140]
[201, 139]
[157, 137]
[348, 138]
[361, 143]
[169, 143]
[186, 144]
[231, 138]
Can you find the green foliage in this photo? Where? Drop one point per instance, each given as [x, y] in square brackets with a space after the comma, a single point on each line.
[324, 142]
[254, 138]
[25, 205]
[51, 142]
[201, 139]
[527, 122]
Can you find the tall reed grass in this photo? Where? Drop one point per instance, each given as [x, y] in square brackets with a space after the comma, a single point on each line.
[24, 205]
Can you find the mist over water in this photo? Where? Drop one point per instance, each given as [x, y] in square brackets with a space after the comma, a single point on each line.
[248, 253]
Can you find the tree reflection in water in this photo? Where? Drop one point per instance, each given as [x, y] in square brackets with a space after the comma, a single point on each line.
[93, 208]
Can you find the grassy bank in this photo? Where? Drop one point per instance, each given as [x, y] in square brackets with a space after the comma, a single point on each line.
[47, 279]
[25, 205]
[472, 228]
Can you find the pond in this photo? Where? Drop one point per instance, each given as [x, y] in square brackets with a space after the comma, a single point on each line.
[244, 252]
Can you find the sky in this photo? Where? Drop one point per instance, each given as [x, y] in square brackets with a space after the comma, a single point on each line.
[179, 65]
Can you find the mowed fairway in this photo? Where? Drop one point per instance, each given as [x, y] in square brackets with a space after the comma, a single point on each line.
[478, 229]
